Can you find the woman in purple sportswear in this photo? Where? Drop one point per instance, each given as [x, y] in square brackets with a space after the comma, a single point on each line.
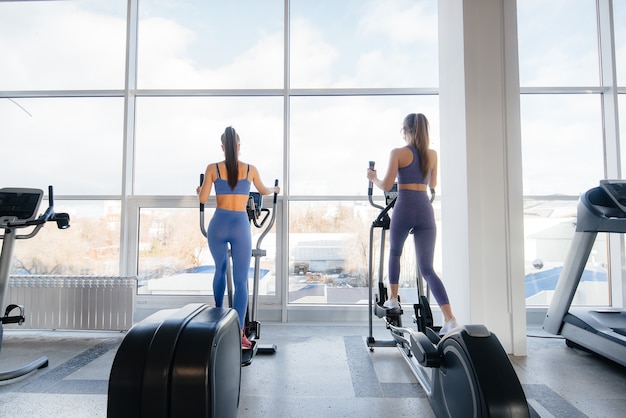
[415, 167]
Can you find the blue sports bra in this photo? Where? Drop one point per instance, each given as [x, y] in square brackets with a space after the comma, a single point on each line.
[222, 187]
[412, 173]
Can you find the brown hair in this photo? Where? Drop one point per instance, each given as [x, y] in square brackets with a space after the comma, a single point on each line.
[230, 139]
[416, 127]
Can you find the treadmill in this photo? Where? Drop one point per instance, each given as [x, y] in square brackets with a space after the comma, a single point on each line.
[599, 330]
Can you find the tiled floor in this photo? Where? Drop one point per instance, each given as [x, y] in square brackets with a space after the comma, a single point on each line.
[319, 370]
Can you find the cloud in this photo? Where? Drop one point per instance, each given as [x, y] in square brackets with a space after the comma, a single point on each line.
[172, 56]
[312, 56]
[559, 47]
[60, 46]
[404, 22]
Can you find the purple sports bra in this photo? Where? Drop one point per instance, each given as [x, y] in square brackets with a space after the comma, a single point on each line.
[412, 173]
[222, 187]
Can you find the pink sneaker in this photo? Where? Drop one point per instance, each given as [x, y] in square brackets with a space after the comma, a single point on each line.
[245, 342]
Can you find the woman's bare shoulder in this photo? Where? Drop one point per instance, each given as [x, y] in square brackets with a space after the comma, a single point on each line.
[246, 165]
[401, 151]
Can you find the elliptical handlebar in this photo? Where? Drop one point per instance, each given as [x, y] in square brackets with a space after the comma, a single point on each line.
[202, 227]
[383, 217]
[272, 219]
[370, 188]
[62, 219]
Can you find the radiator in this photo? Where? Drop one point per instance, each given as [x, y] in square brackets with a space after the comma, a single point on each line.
[73, 302]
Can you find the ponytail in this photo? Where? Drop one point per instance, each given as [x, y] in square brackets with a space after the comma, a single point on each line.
[230, 139]
[416, 126]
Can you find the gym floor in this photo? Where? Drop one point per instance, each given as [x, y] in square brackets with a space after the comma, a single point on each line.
[319, 370]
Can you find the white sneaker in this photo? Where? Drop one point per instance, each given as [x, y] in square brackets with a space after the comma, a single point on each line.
[391, 303]
[448, 326]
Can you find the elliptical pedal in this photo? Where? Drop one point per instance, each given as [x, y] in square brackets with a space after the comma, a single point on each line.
[247, 354]
[15, 319]
[383, 312]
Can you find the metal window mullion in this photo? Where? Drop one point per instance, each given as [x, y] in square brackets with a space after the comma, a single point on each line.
[282, 258]
[611, 141]
[608, 81]
[128, 233]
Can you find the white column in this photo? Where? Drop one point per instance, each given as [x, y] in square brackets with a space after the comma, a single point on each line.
[612, 153]
[481, 167]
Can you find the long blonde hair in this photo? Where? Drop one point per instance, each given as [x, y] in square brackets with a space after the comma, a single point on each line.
[416, 126]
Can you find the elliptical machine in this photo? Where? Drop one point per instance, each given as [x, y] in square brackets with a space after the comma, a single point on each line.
[18, 209]
[258, 216]
[465, 373]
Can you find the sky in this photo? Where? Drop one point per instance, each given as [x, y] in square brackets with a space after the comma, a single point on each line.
[71, 45]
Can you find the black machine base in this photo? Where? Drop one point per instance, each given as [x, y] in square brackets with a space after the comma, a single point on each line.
[466, 373]
[185, 362]
[476, 377]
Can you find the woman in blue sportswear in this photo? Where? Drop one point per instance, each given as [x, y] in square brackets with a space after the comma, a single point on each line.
[230, 225]
[415, 166]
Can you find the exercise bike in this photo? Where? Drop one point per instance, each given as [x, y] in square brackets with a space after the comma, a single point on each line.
[465, 373]
[260, 217]
[18, 210]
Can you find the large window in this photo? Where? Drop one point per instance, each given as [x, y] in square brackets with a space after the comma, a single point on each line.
[563, 140]
[329, 253]
[91, 246]
[562, 143]
[60, 126]
[174, 258]
[332, 141]
[211, 44]
[558, 43]
[74, 144]
[176, 137]
[333, 138]
[62, 45]
[355, 43]
[316, 89]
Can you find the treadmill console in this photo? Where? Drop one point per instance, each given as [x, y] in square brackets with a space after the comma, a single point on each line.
[616, 189]
[19, 205]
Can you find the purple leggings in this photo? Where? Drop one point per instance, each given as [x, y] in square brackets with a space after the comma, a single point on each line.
[413, 210]
[231, 227]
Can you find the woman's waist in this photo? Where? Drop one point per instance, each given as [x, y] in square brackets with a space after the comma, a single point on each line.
[232, 202]
[418, 187]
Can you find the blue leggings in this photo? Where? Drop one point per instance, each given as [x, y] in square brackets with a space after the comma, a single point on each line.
[413, 210]
[231, 227]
